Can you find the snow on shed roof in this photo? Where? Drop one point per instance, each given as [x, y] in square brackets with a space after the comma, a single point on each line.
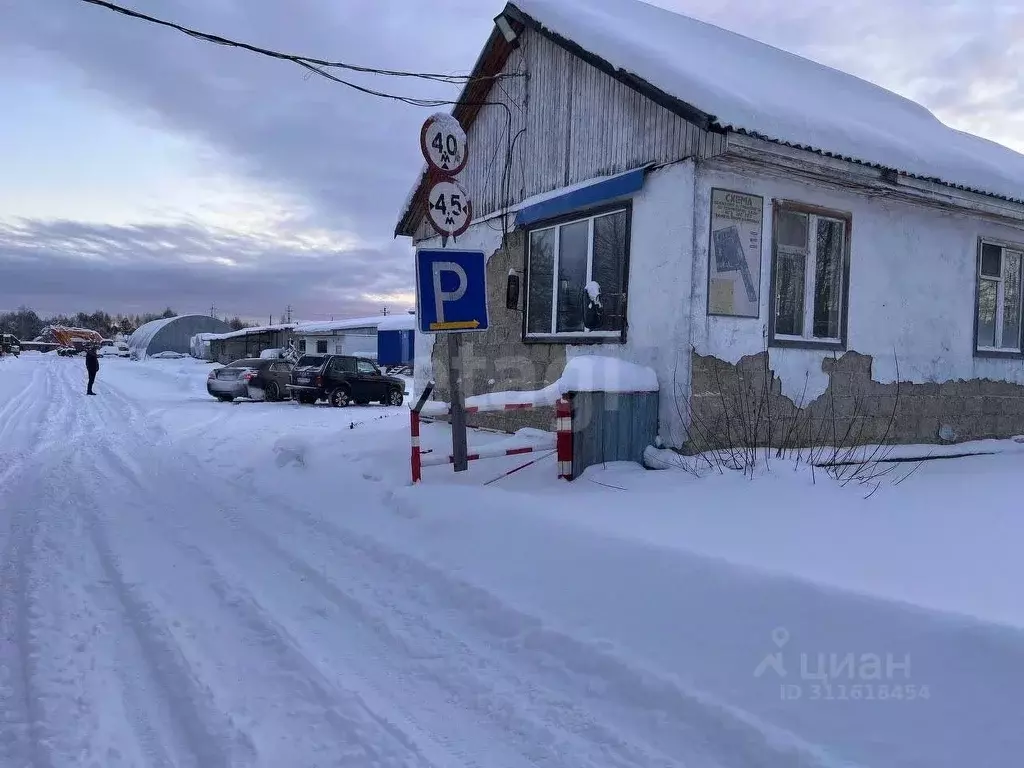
[748, 86]
[252, 331]
[404, 322]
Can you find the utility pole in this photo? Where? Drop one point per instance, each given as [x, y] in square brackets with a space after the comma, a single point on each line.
[213, 310]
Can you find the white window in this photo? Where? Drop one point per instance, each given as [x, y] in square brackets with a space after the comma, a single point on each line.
[576, 278]
[999, 298]
[810, 276]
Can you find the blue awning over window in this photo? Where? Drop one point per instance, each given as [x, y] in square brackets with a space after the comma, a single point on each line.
[589, 195]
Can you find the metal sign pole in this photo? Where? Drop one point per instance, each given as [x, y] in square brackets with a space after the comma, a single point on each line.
[460, 452]
[463, 308]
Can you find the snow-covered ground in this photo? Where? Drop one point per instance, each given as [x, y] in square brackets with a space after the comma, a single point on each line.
[191, 583]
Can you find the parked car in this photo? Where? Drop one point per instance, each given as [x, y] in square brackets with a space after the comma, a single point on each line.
[252, 378]
[341, 380]
[10, 345]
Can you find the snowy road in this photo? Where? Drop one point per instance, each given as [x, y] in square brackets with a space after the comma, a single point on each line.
[173, 595]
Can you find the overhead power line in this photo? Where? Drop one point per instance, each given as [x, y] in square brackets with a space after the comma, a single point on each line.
[316, 65]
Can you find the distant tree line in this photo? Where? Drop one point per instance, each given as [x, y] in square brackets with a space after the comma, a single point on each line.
[26, 324]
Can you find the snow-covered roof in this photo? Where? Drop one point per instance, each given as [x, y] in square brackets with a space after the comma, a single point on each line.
[330, 326]
[252, 331]
[748, 86]
[405, 322]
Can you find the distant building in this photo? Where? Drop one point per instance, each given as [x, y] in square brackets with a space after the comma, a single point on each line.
[352, 336]
[173, 334]
[249, 342]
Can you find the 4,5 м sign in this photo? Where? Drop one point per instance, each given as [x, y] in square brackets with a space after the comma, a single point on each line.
[451, 290]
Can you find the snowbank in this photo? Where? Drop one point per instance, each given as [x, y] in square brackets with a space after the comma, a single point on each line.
[759, 89]
[592, 373]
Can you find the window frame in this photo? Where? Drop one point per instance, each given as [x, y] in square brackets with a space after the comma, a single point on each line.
[578, 337]
[324, 343]
[780, 206]
[302, 346]
[997, 352]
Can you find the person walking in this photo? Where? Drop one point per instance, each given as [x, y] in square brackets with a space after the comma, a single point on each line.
[92, 366]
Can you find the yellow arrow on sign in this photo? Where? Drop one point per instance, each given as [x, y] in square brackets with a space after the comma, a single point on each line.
[466, 325]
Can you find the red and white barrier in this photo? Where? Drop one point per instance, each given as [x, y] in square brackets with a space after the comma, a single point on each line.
[563, 438]
[492, 453]
[562, 444]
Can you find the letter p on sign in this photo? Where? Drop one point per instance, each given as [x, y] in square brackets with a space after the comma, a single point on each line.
[441, 296]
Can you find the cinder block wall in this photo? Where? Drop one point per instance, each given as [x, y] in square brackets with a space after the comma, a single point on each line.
[732, 403]
[497, 360]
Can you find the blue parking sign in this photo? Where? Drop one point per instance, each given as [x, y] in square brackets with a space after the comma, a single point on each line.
[451, 290]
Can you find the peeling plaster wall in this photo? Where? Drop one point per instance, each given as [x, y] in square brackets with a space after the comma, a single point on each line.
[912, 287]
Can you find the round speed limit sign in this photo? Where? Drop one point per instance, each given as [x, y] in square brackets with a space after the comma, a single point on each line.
[450, 208]
[444, 144]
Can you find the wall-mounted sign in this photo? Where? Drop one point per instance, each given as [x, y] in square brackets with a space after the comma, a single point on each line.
[734, 268]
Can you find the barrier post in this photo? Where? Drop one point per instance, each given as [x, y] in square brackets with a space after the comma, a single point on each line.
[416, 460]
[563, 429]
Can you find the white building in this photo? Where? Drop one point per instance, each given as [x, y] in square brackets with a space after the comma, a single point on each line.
[354, 336]
[768, 234]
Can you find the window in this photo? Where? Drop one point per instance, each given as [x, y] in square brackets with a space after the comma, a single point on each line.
[343, 365]
[302, 345]
[576, 278]
[321, 346]
[368, 368]
[810, 276]
[999, 298]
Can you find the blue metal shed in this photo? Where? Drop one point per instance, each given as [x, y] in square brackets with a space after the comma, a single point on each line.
[396, 340]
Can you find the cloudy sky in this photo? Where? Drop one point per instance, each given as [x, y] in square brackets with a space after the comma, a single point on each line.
[141, 168]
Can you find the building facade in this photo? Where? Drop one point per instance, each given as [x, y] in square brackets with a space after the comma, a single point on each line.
[791, 272]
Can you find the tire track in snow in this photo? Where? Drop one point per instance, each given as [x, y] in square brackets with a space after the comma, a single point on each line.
[360, 737]
[24, 738]
[157, 686]
[344, 707]
[200, 730]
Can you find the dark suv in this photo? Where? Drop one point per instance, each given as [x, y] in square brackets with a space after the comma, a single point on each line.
[341, 380]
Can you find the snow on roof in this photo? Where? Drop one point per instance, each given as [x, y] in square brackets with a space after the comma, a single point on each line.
[251, 331]
[405, 322]
[339, 325]
[748, 86]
